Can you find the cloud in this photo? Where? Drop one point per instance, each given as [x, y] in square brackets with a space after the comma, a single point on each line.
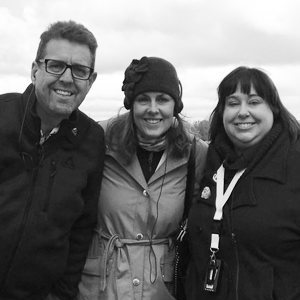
[204, 39]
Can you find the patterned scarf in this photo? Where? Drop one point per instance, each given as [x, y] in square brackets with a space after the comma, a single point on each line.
[154, 145]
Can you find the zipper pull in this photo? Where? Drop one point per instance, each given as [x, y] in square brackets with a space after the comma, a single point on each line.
[53, 168]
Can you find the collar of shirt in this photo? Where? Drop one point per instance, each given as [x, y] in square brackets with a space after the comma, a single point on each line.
[45, 137]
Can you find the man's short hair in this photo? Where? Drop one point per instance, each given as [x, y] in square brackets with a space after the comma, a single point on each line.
[71, 31]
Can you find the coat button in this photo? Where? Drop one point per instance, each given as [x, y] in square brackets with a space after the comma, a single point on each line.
[136, 282]
[145, 193]
[139, 236]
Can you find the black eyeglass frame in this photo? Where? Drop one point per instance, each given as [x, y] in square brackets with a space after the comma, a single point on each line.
[67, 66]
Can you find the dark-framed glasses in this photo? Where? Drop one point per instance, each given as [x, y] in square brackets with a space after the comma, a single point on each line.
[57, 67]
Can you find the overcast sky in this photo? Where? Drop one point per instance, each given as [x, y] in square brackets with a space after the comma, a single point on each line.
[203, 39]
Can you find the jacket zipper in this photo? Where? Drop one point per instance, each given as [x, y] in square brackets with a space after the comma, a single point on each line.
[50, 184]
[237, 267]
[235, 250]
[22, 226]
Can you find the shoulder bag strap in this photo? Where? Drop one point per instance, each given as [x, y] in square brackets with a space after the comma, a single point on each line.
[190, 180]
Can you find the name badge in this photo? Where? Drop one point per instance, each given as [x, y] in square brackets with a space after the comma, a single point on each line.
[212, 275]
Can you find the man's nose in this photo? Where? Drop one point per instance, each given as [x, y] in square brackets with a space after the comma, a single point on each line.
[67, 75]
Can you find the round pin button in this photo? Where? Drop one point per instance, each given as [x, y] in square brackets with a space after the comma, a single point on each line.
[136, 282]
[139, 236]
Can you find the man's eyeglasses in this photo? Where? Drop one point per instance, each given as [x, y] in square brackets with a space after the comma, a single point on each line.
[57, 67]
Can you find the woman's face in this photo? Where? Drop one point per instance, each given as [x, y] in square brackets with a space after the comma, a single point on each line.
[153, 114]
[246, 118]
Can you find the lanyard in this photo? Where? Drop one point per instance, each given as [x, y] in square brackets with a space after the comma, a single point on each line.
[221, 201]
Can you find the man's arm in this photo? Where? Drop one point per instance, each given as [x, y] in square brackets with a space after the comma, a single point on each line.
[82, 230]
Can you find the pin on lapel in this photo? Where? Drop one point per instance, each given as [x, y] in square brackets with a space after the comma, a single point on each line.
[206, 193]
[74, 131]
[215, 177]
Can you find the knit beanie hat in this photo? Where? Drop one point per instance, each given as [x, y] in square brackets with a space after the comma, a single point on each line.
[151, 74]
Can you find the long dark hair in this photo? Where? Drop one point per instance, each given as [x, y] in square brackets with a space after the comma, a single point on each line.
[121, 136]
[264, 87]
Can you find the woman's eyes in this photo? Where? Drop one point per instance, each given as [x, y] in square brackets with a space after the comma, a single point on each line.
[255, 101]
[143, 100]
[232, 102]
[251, 101]
[162, 99]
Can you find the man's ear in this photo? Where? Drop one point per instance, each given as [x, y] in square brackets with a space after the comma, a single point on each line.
[92, 79]
[34, 69]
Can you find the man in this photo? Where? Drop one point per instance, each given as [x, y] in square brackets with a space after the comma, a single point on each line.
[51, 160]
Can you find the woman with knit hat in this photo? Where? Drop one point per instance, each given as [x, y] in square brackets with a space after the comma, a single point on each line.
[143, 189]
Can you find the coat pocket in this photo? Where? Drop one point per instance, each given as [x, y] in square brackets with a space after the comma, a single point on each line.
[167, 265]
[95, 254]
[89, 286]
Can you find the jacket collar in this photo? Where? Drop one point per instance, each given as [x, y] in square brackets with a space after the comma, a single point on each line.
[72, 131]
[273, 165]
[134, 169]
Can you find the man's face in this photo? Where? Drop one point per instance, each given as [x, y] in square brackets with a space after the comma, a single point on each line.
[59, 95]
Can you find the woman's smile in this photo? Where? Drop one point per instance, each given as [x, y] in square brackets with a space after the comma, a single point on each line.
[243, 125]
[153, 121]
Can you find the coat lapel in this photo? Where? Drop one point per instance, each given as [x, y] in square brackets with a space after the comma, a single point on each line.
[133, 169]
[167, 166]
[272, 167]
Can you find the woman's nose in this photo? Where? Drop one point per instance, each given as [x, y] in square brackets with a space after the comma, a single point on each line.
[243, 112]
[153, 108]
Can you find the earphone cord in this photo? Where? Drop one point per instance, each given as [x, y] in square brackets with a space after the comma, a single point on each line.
[23, 122]
[154, 225]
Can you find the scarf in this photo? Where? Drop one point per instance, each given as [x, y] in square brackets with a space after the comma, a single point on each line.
[153, 145]
[249, 157]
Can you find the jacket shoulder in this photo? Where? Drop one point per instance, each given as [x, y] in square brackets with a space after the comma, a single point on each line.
[293, 154]
[104, 124]
[86, 120]
[295, 146]
[9, 96]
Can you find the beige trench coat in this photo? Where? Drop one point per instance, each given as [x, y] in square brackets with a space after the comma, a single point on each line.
[132, 254]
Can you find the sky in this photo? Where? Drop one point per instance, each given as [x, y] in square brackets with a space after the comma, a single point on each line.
[204, 39]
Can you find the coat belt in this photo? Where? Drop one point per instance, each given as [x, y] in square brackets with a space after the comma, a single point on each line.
[114, 241]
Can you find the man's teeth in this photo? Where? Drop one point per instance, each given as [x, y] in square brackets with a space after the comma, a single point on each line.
[64, 93]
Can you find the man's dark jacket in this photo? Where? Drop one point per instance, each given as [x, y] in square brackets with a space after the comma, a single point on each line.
[48, 199]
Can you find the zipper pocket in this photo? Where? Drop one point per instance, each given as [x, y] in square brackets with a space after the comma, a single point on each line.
[53, 172]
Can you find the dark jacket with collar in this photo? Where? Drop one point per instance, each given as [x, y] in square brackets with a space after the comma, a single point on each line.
[259, 233]
[48, 199]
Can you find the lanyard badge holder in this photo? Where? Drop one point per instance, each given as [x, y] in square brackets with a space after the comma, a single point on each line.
[214, 266]
[212, 274]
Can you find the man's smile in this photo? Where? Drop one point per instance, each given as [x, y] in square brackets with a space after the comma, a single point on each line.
[62, 92]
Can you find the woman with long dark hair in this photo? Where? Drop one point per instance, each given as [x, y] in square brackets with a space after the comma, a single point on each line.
[245, 227]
